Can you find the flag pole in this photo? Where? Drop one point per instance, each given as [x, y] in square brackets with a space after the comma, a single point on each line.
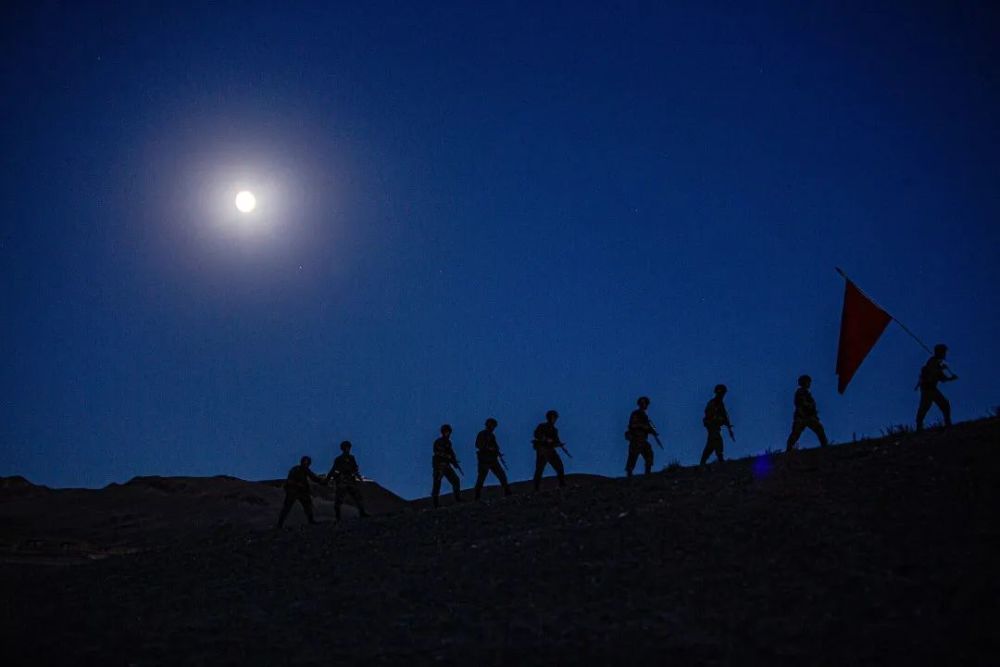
[891, 316]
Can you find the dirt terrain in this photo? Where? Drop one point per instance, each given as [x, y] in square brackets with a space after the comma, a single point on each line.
[881, 551]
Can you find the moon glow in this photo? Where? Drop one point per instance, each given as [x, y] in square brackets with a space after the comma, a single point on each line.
[245, 201]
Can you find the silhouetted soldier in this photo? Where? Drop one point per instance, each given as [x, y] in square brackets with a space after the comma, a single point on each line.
[715, 418]
[488, 458]
[442, 462]
[639, 430]
[545, 442]
[806, 415]
[297, 488]
[345, 473]
[933, 372]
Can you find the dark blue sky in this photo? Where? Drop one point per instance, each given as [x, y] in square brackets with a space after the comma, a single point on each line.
[482, 210]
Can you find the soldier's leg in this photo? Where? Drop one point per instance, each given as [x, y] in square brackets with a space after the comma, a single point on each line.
[481, 473]
[797, 427]
[633, 456]
[816, 427]
[539, 468]
[436, 487]
[307, 505]
[497, 470]
[556, 462]
[926, 399]
[455, 483]
[647, 456]
[338, 498]
[943, 405]
[358, 501]
[286, 507]
[709, 448]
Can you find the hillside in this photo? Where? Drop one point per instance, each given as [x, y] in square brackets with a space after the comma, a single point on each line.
[876, 552]
[58, 525]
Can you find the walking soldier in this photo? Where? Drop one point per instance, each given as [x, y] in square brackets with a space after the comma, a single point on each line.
[297, 489]
[346, 474]
[715, 418]
[639, 430]
[545, 442]
[442, 462]
[806, 415]
[488, 458]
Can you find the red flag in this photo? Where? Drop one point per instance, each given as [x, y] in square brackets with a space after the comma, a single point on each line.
[861, 324]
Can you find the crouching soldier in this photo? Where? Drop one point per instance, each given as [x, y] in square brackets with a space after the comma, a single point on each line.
[345, 473]
[488, 458]
[715, 418]
[297, 489]
[545, 442]
[806, 415]
[443, 464]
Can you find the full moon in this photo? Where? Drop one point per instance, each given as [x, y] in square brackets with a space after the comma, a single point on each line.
[245, 201]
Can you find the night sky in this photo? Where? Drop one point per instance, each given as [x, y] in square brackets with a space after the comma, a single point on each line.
[477, 210]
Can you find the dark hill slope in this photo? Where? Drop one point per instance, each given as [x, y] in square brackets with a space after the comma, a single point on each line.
[148, 512]
[872, 553]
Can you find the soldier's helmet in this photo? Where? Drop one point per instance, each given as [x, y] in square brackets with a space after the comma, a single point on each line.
[720, 389]
[305, 461]
[445, 428]
[345, 446]
[940, 348]
[643, 400]
[551, 414]
[804, 380]
[491, 422]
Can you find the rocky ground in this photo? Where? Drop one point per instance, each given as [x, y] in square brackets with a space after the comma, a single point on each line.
[882, 551]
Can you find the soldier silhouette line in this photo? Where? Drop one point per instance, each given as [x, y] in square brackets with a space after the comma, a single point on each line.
[806, 415]
[297, 489]
[346, 475]
[715, 418]
[932, 373]
[441, 464]
[546, 439]
[639, 430]
[488, 458]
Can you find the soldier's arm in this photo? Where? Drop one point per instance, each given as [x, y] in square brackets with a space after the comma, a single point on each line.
[633, 423]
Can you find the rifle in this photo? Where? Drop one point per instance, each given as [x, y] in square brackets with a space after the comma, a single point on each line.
[732, 436]
[562, 446]
[459, 466]
[656, 436]
[503, 462]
